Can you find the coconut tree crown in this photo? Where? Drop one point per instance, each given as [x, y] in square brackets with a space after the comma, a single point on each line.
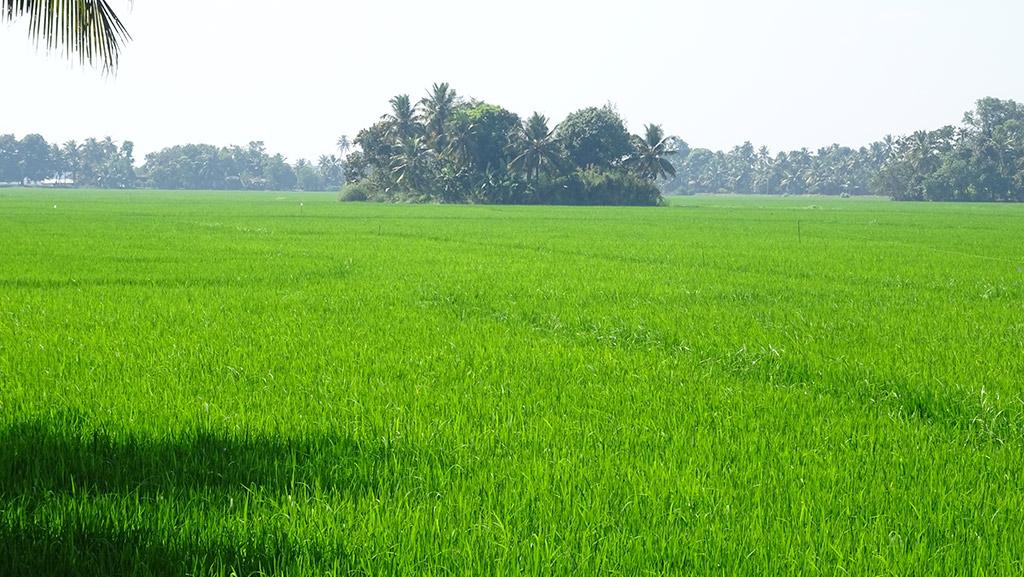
[403, 120]
[538, 148]
[649, 159]
[438, 106]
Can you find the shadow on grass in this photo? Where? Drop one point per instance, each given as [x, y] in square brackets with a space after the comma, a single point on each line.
[81, 551]
[38, 458]
[77, 503]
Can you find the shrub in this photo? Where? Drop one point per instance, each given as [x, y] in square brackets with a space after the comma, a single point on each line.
[358, 191]
[592, 186]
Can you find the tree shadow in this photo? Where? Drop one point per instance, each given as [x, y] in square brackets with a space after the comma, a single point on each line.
[82, 551]
[56, 519]
[38, 458]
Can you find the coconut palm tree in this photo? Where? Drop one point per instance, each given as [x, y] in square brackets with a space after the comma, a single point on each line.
[72, 153]
[649, 160]
[331, 169]
[403, 121]
[459, 151]
[877, 154]
[763, 170]
[538, 149]
[922, 152]
[343, 144]
[410, 164]
[438, 106]
[86, 29]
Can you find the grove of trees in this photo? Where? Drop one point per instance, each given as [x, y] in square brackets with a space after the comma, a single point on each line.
[448, 149]
[444, 148]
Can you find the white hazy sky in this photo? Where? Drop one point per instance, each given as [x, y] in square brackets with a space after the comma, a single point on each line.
[785, 73]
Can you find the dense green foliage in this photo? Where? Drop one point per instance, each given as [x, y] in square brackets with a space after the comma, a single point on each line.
[451, 150]
[193, 385]
[981, 160]
[595, 137]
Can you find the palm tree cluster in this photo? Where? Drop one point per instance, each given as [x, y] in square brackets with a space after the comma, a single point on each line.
[448, 149]
[980, 160]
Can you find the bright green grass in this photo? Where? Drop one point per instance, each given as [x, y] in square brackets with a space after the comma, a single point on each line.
[218, 384]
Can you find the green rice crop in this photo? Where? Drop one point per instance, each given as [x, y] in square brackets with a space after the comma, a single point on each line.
[280, 384]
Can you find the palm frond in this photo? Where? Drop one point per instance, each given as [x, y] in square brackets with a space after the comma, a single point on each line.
[665, 147]
[667, 168]
[88, 29]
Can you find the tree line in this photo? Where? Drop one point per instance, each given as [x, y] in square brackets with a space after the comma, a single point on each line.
[206, 167]
[444, 148]
[92, 163]
[105, 164]
[982, 159]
